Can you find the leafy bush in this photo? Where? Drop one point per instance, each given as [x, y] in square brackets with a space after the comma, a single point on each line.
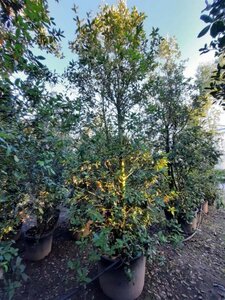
[11, 270]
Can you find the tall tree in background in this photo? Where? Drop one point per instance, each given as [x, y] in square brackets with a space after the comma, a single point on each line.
[210, 110]
[170, 94]
[203, 76]
[178, 119]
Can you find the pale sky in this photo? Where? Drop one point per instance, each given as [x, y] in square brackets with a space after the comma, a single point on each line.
[179, 18]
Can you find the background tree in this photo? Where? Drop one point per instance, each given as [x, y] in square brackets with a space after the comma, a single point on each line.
[181, 134]
[203, 76]
[210, 111]
[170, 94]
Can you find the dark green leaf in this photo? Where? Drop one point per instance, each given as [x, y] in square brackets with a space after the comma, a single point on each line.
[222, 42]
[217, 27]
[17, 81]
[204, 31]
[206, 19]
[41, 57]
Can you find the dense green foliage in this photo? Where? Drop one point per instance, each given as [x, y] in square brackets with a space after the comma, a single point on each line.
[116, 176]
[178, 118]
[25, 110]
[11, 270]
[214, 16]
[132, 142]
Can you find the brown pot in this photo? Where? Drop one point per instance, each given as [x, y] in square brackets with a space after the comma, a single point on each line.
[115, 283]
[205, 207]
[189, 228]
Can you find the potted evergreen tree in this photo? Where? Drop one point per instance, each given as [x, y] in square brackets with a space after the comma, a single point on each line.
[44, 148]
[116, 175]
[113, 207]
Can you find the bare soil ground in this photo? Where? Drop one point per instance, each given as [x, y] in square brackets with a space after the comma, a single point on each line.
[194, 271]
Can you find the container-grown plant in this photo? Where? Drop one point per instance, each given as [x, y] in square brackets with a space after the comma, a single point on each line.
[182, 207]
[180, 129]
[45, 120]
[43, 152]
[116, 174]
[211, 191]
[38, 238]
[113, 207]
[45, 191]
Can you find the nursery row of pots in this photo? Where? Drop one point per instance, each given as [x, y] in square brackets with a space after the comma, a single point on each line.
[38, 241]
[188, 227]
[113, 280]
[127, 139]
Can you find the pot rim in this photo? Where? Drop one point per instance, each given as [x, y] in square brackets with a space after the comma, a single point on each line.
[38, 237]
[119, 258]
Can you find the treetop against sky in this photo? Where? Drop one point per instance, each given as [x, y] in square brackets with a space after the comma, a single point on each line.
[179, 18]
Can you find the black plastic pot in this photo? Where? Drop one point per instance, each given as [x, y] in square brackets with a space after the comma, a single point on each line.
[38, 248]
[115, 283]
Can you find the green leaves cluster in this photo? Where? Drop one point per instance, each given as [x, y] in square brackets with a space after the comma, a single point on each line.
[131, 143]
[11, 270]
[116, 175]
[180, 131]
[34, 123]
[32, 150]
[216, 27]
[25, 24]
[142, 146]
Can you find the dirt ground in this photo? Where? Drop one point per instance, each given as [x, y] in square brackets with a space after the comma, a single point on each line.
[194, 271]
